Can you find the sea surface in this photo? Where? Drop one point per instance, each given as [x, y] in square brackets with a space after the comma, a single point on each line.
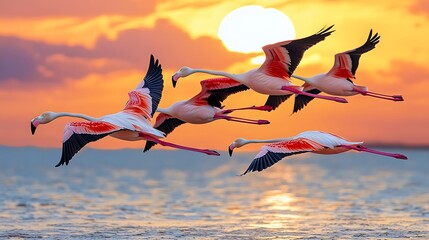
[128, 194]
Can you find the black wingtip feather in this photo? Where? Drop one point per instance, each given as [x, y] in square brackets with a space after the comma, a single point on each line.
[217, 96]
[325, 30]
[154, 82]
[302, 100]
[74, 144]
[297, 47]
[274, 101]
[268, 160]
[149, 145]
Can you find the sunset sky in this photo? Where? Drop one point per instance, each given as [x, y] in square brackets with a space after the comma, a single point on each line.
[85, 56]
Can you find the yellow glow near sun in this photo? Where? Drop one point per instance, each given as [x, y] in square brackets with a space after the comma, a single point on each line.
[247, 29]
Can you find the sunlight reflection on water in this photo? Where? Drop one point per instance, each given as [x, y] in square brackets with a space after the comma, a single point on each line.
[127, 194]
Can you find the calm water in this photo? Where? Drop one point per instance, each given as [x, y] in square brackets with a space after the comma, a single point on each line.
[175, 194]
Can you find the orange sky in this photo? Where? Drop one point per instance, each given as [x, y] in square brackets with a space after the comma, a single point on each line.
[84, 56]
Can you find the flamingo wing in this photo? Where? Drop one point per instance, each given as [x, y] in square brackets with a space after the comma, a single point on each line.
[165, 123]
[282, 58]
[275, 100]
[346, 63]
[274, 152]
[78, 134]
[215, 90]
[152, 85]
[302, 100]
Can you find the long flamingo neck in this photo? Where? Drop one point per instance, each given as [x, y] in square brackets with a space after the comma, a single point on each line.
[301, 78]
[266, 140]
[215, 72]
[76, 115]
[163, 110]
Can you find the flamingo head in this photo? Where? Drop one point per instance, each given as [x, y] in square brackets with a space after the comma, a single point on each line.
[43, 118]
[239, 142]
[183, 72]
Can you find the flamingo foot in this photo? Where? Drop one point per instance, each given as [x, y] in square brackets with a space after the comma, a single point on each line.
[397, 98]
[400, 156]
[340, 100]
[261, 122]
[210, 152]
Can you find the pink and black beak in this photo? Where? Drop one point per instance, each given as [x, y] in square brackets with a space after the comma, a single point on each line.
[34, 125]
[231, 149]
[174, 79]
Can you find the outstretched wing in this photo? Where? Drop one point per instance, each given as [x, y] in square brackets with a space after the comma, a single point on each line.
[78, 134]
[347, 62]
[274, 152]
[302, 100]
[150, 89]
[215, 90]
[282, 58]
[166, 124]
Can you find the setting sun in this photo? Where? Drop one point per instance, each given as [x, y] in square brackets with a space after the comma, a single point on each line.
[247, 29]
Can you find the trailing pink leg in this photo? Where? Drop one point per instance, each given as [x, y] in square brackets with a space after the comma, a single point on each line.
[361, 148]
[242, 120]
[163, 143]
[379, 95]
[296, 91]
[261, 108]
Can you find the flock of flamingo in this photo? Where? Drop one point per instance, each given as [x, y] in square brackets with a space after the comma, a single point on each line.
[272, 78]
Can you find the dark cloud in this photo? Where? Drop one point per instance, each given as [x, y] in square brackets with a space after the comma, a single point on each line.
[26, 60]
[75, 8]
[17, 61]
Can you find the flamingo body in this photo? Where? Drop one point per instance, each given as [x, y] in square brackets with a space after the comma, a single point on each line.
[192, 113]
[265, 84]
[331, 85]
[309, 141]
[338, 81]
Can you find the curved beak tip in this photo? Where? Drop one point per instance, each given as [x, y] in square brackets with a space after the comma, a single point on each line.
[33, 128]
[230, 151]
[174, 81]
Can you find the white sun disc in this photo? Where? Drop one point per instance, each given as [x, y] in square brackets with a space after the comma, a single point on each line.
[247, 29]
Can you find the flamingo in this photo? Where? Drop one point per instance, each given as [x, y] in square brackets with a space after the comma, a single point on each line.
[130, 124]
[309, 141]
[338, 81]
[204, 107]
[273, 76]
